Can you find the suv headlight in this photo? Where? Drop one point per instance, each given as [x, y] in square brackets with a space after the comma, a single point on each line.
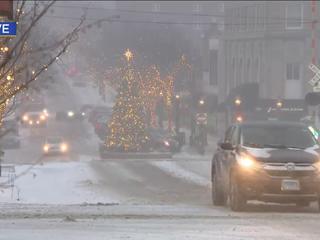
[70, 114]
[317, 166]
[64, 147]
[46, 148]
[246, 162]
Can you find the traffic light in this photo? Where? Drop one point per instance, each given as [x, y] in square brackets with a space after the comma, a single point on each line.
[239, 119]
[313, 98]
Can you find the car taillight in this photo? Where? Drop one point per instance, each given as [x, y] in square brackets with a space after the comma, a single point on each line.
[166, 143]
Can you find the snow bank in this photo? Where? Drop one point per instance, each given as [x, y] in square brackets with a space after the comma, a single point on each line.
[56, 183]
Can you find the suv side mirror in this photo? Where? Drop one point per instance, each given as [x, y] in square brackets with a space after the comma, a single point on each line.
[227, 146]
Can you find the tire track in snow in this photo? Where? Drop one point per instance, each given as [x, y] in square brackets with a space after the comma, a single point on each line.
[177, 171]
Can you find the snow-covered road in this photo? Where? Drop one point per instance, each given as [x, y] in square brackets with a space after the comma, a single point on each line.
[82, 197]
[152, 222]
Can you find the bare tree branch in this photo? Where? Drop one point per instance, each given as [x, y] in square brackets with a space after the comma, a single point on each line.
[25, 34]
[70, 38]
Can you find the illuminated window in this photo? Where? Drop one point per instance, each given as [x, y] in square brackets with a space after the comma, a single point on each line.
[293, 71]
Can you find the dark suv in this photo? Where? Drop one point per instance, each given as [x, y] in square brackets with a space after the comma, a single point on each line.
[267, 161]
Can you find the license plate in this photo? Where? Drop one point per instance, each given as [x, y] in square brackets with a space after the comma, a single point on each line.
[290, 185]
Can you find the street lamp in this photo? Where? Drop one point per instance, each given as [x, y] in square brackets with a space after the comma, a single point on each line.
[177, 118]
[237, 101]
[201, 102]
[279, 104]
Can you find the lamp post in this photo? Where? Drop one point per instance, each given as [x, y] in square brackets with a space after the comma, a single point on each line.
[177, 113]
[202, 121]
[1, 156]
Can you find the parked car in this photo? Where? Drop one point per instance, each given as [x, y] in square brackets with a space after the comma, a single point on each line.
[99, 111]
[69, 115]
[267, 161]
[85, 109]
[100, 126]
[161, 140]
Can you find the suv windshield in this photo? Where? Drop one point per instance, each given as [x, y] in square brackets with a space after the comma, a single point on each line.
[54, 140]
[277, 137]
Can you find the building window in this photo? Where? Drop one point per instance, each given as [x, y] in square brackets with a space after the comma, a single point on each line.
[250, 19]
[221, 8]
[197, 9]
[293, 71]
[256, 69]
[232, 72]
[261, 17]
[294, 15]
[213, 67]
[242, 19]
[248, 71]
[228, 22]
[156, 7]
[232, 13]
[240, 72]
[236, 20]
[256, 18]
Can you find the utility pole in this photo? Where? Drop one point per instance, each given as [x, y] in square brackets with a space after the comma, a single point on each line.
[177, 113]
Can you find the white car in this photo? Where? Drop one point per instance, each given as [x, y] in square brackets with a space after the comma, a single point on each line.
[55, 145]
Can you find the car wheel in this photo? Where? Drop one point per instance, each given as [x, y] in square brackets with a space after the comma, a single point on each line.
[238, 201]
[218, 198]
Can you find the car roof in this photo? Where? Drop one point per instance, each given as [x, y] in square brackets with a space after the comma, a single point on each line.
[273, 123]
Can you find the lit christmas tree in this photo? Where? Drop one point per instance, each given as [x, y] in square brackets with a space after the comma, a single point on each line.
[127, 128]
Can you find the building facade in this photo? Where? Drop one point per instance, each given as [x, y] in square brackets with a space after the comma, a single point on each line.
[204, 24]
[268, 42]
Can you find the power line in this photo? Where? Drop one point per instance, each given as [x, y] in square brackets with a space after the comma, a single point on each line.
[140, 11]
[172, 13]
[171, 22]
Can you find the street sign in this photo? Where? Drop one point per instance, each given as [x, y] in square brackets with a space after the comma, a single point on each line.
[316, 78]
[314, 68]
[316, 88]
[8, 29]
[202, 118]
